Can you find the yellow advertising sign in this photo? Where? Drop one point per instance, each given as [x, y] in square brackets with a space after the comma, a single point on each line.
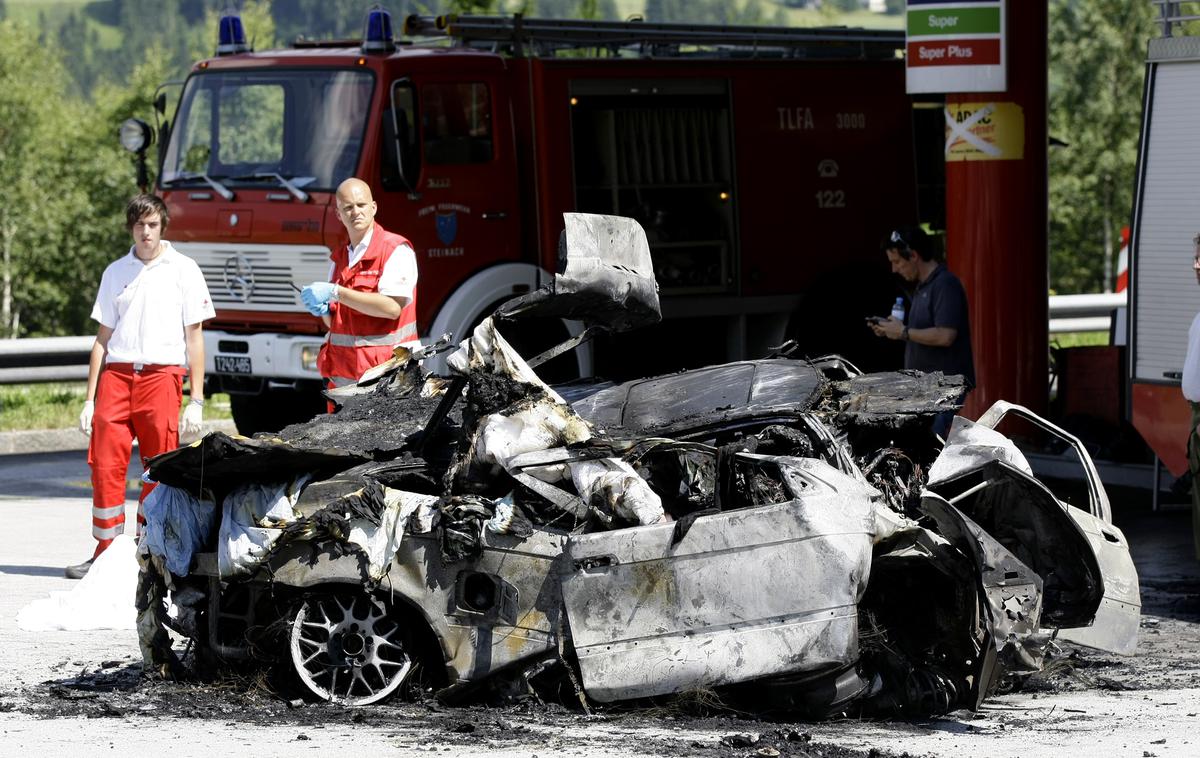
[985, 132]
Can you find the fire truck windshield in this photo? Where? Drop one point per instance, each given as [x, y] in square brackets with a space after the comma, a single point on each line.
[303, 127]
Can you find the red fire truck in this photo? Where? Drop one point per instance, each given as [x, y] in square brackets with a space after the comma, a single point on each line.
[1164, 297]
[765, 165]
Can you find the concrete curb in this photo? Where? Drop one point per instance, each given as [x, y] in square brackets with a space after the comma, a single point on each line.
[65, 440]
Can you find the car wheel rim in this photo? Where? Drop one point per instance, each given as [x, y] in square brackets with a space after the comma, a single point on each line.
[348, 650]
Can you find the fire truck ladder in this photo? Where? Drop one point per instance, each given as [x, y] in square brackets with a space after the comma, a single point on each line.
[532, 37]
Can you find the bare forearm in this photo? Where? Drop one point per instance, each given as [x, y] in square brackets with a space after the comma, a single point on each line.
[96, 360]
[934, 336]
[195, 354]
[371, 303]
[95, 363]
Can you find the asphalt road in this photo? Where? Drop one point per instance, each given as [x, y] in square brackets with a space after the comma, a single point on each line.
[1147, 705]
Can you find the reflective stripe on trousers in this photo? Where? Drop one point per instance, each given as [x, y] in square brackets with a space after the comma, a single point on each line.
[128, 405]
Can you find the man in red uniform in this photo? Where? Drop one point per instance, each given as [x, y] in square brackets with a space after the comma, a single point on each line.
[369, 303]
[150, 307]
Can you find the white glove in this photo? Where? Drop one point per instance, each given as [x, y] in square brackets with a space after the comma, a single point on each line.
[85, 417]
[193, 416]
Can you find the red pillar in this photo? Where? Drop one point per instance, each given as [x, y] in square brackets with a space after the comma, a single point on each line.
[996, 231]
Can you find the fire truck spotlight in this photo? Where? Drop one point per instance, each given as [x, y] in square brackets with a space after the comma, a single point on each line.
[135, 135]
[377, 37]
[231, 35]
[308, 357]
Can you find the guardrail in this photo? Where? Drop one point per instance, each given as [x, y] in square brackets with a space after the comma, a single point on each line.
[1175, 13]
[1084, 313]
[44, 359]
[64, 359]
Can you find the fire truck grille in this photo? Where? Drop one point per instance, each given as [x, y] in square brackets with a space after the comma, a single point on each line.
[244, 277]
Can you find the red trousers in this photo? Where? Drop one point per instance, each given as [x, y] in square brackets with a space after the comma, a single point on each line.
[129, 403]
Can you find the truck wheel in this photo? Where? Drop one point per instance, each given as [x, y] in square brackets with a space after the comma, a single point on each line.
[248, 413]
[347, 649]
[272, 410]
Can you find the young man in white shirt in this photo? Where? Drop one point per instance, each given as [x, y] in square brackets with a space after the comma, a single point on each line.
[150, 307]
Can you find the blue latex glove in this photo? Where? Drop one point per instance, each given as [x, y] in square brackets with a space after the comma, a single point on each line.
[314, 307]
[316, 297]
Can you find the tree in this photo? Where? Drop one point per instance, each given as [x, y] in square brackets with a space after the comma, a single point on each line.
[1097, 50]
[712, 12]
[333, 19]
[257, 20]
[34, 123]
[99, 181]
[66, 181]
[484, 7]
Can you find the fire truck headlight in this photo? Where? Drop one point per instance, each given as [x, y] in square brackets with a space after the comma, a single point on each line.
[135, 135]
[308, 357]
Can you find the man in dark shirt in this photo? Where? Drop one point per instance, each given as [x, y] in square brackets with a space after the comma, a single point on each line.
[936, 329]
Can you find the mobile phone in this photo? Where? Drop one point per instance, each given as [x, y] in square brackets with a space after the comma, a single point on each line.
[874, 320]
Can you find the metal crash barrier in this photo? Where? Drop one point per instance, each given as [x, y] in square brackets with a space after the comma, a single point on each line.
[64, 359]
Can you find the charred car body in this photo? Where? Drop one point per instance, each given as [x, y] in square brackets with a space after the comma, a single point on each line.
[783, 530]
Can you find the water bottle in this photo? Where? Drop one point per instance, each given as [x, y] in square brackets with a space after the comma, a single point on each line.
[898, 310]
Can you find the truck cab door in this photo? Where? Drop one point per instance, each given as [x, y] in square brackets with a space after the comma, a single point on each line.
[453, 157]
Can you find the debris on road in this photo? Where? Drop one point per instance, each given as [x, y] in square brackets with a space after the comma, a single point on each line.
[788, 532]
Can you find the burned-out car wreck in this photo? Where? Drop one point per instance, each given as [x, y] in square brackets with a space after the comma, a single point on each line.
[787, 533]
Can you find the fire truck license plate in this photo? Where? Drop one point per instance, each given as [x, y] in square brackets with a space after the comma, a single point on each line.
[232, 364]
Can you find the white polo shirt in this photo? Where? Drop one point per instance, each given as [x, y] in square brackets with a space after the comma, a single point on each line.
[1191, 363]
[399, 275]
[148, 305]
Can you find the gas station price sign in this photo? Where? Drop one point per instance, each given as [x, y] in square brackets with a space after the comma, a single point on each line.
[955, 46]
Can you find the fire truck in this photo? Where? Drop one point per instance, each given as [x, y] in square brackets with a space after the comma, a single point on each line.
[1164, 296]
[765, 165]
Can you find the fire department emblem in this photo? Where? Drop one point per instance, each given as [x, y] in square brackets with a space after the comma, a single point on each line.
[239, 277]
[447, 227]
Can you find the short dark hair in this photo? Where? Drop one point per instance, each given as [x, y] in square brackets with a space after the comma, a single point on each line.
[143, 205]
[909, 239]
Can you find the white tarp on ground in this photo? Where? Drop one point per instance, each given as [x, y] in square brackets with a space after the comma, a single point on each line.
[101, 600]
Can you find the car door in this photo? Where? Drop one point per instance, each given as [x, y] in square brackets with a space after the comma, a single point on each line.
[744, 594]
[1115, 625]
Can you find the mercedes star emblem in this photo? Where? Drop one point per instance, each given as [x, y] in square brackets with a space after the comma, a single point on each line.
[239, 277]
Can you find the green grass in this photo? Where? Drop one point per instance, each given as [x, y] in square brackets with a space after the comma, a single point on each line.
[57, 406]
[1078, 339]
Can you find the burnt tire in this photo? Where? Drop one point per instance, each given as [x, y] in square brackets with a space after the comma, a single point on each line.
[348, 649]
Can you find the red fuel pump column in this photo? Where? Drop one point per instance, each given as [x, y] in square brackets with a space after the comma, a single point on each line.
[996, 218]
